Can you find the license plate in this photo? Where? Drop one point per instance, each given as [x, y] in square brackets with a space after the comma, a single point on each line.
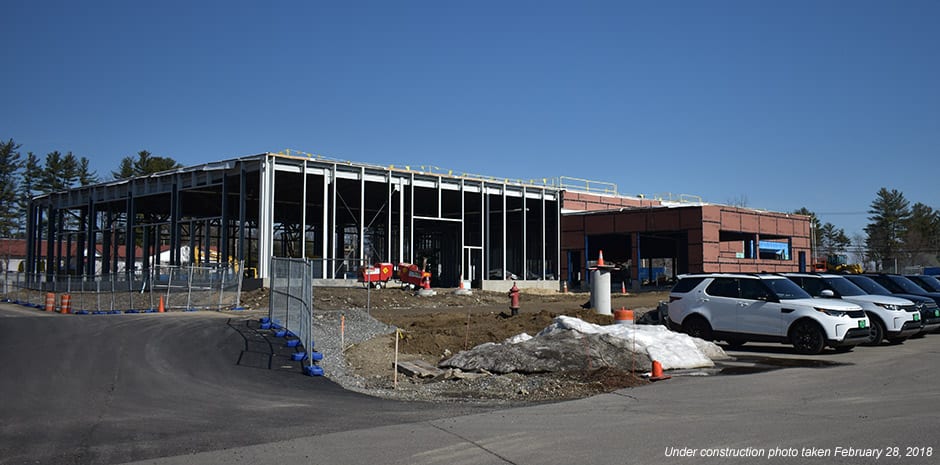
[861, 324]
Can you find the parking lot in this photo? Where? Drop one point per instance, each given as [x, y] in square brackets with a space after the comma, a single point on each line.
[167, 389]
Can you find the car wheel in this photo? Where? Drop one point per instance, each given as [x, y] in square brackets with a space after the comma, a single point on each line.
[697, 326]
[876, 333]
[807, 338]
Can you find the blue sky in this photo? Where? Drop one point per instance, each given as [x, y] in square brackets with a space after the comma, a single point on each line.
[779, 104]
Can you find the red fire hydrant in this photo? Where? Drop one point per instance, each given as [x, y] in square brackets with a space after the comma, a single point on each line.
[514, 299]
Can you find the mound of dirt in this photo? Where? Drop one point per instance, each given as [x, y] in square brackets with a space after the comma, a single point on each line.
[437, 327]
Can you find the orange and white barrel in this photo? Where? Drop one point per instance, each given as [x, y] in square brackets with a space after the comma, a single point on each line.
[623, 317]
[65, 303]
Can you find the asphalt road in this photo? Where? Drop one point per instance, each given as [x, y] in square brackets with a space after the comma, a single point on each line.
[167, 389]
[103, 389]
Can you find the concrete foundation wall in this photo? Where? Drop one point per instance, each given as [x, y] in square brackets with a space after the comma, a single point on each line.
[500, 285]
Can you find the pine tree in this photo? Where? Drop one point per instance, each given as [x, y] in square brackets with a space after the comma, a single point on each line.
[10, 219]
[815, 229]
[887, 227]
[145, 164]
[834, 240]
[922, 238]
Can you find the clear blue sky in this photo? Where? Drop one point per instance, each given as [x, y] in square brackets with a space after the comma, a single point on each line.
[783, 104]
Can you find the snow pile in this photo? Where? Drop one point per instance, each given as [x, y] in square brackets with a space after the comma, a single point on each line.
[573, 344]
[673, 350]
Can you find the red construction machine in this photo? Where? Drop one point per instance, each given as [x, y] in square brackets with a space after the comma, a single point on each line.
[413, 276]
[376, 275]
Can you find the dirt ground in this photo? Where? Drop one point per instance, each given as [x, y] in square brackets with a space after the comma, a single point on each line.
[436, 327]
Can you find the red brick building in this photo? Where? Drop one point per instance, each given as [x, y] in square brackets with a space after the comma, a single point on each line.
[655, 240]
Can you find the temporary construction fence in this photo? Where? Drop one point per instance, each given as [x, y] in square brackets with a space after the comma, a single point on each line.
[186, 288]
[290, 311]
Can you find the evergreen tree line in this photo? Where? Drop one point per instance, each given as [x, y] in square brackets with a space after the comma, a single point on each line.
[898, 234]
[25, 176]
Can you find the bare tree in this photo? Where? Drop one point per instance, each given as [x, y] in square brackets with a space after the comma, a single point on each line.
[738, 201]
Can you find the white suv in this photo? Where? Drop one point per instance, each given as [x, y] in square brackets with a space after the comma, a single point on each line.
[741, 307]
[891, 318]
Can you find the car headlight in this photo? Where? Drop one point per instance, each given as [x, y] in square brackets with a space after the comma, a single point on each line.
[892, 307]
[831, 312]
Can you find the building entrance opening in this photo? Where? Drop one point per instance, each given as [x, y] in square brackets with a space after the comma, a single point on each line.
[437, 247]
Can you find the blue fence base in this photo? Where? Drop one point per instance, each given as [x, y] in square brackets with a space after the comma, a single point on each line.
[293, 343]
[298, 356]
[313, 370]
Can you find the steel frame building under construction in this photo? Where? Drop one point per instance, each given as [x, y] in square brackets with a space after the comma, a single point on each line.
[342, 215]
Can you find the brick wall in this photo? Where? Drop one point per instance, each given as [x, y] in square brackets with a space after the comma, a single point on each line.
[580, 201]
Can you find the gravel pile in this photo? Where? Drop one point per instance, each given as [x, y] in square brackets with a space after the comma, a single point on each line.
[329, 335]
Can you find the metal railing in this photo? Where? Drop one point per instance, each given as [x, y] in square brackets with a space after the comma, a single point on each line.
[185, 288]
[291, 304]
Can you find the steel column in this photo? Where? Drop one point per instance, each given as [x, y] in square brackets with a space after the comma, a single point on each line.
[362, 217]
[130, 255]
[325, 230]
[224, 252]
[90, 248]
[174, 225]
[242, 205]
[303, 213]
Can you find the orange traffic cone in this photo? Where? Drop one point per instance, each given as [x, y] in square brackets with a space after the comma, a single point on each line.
[657, 373]
[600, 258]
[161, 308]
[623, 287]
[564, 286]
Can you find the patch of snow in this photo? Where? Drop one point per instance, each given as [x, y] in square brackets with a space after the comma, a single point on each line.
[518, 338]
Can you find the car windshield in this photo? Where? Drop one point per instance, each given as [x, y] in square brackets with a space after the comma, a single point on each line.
[930, 283]
[906, 285]
[868, 285]
[786, 289]
[844, 287]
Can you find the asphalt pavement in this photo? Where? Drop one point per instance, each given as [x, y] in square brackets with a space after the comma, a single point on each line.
[104, 389]
[175, 389]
